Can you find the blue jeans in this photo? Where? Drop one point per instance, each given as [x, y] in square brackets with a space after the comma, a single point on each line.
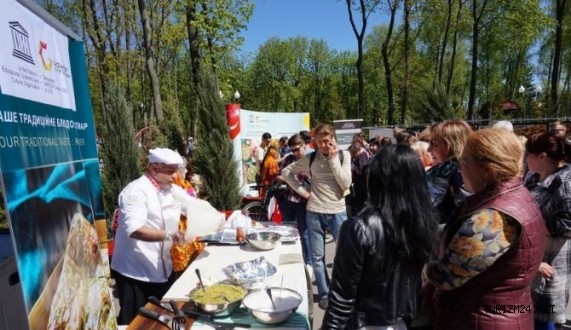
[295, 212]
[316, 224]
[543, 325]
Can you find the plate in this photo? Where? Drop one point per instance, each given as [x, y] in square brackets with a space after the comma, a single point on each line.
[248, 272]
[289, 234]
[226, 236]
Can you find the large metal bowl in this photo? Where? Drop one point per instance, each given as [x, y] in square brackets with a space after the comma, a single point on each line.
[260, 306]
[263, 240]
[222, 307]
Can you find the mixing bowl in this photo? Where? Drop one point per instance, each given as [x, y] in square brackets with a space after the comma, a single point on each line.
[260, 306]
[263, 240]
[218, 304]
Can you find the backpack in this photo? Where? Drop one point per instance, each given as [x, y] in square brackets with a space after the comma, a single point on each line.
[314, 154]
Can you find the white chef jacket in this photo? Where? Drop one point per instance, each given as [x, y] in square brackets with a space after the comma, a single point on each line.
[142, 203]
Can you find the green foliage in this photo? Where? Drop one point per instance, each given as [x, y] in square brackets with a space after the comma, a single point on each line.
[119, 152]
[433, 104]
[214, 160]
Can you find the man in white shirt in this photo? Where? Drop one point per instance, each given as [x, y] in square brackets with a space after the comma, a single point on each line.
[261, 150]
[148, 226]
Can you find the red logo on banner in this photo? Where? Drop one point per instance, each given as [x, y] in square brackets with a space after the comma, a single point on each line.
[233, 118]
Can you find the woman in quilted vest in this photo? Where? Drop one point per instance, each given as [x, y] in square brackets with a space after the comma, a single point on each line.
[493, 244]
[549, 180]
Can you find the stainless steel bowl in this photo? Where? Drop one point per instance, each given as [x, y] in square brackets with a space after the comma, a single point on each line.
[218, 309]
[263, 240]
[259, 305]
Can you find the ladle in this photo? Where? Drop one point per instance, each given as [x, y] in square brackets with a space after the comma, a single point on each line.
[269, 292]
[199, 278]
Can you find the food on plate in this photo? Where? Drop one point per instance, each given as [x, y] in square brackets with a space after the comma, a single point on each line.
[218, 294]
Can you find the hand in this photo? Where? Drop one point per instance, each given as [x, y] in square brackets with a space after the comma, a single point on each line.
[546, 271]
[178, 237]
[333, 150]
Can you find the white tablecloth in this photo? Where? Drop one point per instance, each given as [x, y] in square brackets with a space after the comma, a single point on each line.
[215, 258]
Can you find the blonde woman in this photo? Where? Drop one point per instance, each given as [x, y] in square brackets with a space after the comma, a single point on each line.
[493, 245]
[421, 149]
[447, 141]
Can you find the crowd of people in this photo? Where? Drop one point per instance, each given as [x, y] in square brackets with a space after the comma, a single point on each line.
[441, 229]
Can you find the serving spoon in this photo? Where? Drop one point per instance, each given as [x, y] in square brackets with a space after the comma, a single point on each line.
[269, 292]
[199, 278]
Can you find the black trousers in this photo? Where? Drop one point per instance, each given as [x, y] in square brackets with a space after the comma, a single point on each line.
[133, 294]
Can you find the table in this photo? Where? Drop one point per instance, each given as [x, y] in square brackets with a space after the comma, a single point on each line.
[141, 322]
[286, 257]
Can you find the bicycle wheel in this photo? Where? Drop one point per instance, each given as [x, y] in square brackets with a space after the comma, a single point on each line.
[255, 211]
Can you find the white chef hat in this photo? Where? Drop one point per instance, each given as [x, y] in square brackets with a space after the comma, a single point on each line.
[165, 156]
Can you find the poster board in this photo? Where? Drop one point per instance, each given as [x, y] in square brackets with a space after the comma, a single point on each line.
[345, 130]
[49, 170]
[246, 134]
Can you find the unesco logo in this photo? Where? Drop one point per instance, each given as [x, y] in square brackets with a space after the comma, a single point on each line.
[21, 42]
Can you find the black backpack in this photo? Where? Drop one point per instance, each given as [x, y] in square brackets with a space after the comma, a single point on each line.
[314, 154]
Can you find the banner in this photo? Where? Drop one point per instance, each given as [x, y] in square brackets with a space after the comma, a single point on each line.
[50, 173]
[345, 130]
[247, 133]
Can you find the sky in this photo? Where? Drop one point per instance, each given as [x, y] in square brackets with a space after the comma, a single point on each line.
[314, 19]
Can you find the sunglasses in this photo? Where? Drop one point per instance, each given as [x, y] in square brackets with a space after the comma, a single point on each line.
[295, 149]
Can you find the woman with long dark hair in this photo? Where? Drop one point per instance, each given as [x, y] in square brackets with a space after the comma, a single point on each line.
[376, 273]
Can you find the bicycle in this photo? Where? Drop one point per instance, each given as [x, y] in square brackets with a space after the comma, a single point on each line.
[257, 207]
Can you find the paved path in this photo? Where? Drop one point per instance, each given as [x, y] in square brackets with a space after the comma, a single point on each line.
[318, 312]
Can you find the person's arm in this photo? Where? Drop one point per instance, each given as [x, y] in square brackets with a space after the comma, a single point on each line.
[259, 155]
[342, 172]
[290, 172]
[347, 273]
[481, 240]
[558, 223]
[133, 205]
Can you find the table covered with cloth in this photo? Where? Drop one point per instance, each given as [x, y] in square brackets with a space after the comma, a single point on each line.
[286, 257]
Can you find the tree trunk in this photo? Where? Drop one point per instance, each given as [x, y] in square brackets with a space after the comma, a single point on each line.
[555, 73]
[454, 47]
[387, 65]
[406, 78]
[195, 61]
[444, 42]
[474, 72]
[359, 35]
[150, 61]
[95, 35]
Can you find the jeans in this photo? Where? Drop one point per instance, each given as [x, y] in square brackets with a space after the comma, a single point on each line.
[316, 225]
[295, 212]
[543, 325]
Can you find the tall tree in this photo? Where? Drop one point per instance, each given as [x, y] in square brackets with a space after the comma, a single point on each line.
[392, 7]
[364, 8]
[150, 60]
[560, 11]
[407, 46]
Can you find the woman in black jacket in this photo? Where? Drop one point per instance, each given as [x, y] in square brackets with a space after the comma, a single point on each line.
[376, 274]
